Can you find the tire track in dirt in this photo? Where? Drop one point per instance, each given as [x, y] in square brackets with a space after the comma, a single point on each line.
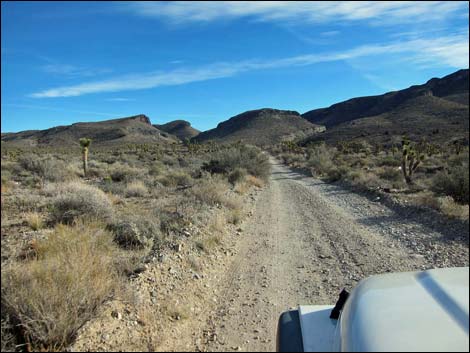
[298, 248]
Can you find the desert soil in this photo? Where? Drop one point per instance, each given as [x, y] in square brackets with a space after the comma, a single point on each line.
[302, 242]
[305, 242]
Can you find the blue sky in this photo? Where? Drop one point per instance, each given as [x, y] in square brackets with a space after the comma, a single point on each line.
[64, 62]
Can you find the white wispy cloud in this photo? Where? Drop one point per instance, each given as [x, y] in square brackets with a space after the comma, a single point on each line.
[72, 70]
[449, 51]
[375, 12]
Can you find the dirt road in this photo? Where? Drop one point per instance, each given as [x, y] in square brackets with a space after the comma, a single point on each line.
[305, 242]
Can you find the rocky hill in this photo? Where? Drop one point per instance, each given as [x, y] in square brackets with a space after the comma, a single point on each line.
[453, 87]
[437, 111]
[437, 120]
[134, 129]
[179, 128]
[260, 127]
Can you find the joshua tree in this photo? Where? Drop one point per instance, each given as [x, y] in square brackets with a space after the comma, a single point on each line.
[85, 143]
[411, 158]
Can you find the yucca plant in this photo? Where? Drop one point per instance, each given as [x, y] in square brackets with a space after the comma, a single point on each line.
[85, 143]
[411, 159]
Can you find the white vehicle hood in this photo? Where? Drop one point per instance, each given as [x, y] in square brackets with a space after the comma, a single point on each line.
[414, 311]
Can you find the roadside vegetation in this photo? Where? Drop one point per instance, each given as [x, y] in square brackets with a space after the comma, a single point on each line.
[77, 225]
[416, 172]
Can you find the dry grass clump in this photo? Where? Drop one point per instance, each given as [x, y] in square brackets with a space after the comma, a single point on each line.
[364, 179]
[76, 200]
[237, 175]
[136, 189]
[175, 178]
[235, 216]
[254, 181]
[444, 204]
[250, 158]
[124, 172]
[53, 295]
[214, 191]
[34, 220]
[47, 168]
[453, 183]
[320, 159]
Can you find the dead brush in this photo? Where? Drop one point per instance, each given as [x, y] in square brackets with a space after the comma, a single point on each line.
[56, 292]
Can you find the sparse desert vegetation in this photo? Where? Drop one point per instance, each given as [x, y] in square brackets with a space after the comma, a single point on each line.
[438, 179]
[70, 243]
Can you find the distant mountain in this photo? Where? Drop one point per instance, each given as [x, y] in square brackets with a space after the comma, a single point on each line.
[179, 128]
[437, 111]
[435, 119]
[134, 129]
[260, 127]
[453, 87]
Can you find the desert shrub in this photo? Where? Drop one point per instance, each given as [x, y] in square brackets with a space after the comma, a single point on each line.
[156, 168]
[123, 172]
[136, 231]
[237, 176]
[320, 159]
[453, 183]
[34, 220]
[136, 189]
[254, 181]
[76, 200]
[169, 160]
[97, 169]
[336, 173]
[175, 178]
[291, 158]
[364, 179]
[389, 161]
[211, 191]
[235, 216]
[250, 158]
[391, 174]
[46, 168]
[8, 341]
[54, 294]
[452, 209]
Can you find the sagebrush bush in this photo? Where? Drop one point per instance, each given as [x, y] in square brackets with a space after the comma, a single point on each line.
[250, 158]
[390, 174]
[136, 189]
[389, 161]
[237, 175]
[291, 158]
[453, 183]
[175, 178]
[76, 200]
[336, 173]
[53, 295]
[320, 159]
[123, 172]
[136, 231]
[47, 168]
[213, 191]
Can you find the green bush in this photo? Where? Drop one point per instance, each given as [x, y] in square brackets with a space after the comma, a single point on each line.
[123, 172]
[75, 200]
[47, 168]
[453, 183]
[389, 161]
[237, 175]
[320, 159]
[250, 158]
